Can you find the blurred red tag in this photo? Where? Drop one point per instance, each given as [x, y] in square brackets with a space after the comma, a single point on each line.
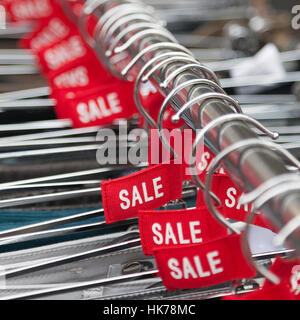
[98, 106]
[48, 32]
[85, 75]
[29, 10]
[63, 53]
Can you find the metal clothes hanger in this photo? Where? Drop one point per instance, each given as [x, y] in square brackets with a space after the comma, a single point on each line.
[141, 109]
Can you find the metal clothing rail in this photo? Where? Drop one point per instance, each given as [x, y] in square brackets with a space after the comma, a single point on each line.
[249, 167]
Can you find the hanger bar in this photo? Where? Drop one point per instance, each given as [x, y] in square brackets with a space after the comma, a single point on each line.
[25, 94]
[48, 142]
[259, 80]
[63, 124]
[120, 245]
[45, 264]
[12, 70]
[18, 59]
[265, 98]
[54, 184]
[48, 135]
[287, 56]
[49, 197]
[26, 104]
[48, 151]
[188, 192]
[66, 176]
[18, 52]
[61, 141]
[65, 231]
[89, 284]
[36, 125]
[74, 257]
[84, 285]
[50, 224]
[15, 30]
[256, 165]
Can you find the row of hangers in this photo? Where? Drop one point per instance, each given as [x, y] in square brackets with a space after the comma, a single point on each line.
[42, 140]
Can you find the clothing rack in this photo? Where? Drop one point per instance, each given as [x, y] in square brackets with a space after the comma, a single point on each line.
[249, 167]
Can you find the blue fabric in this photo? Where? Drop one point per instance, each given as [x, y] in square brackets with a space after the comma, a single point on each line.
[14, 219]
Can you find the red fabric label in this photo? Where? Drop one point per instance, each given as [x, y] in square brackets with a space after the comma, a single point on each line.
[49, 32]
[229, 194]
[177, 228]
[95, 107]
[29, 10]
[150, 188]
[86, 75]
[67, 51]
[198, 266]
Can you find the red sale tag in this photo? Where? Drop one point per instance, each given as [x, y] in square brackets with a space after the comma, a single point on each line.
[49, 32]
[96, 107]
[177, 228]
[224, 188]
[150, 188]
[29, 10]
[85, 75]
[63, 53]
[197, 266]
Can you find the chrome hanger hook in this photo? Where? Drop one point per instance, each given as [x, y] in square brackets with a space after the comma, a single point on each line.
[125, 31]
[213, 166]
[137, 99]
[252, 196]
[202, 98]
[122, 9]
[153, 47]
[137, 17]
[199, 66]
[102, 34]
[89, 8]
[130, 18]
[164, 63]
[119, 8]
[275, 181]
[276, 191]
[286, 231]
[272, 277]
[171, 95]
[142, 34]
[273, 192]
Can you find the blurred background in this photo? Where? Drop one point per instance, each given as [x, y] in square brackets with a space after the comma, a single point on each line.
[216, 30]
